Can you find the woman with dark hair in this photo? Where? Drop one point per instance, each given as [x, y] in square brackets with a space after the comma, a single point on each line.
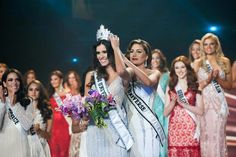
[41, 130]
[214, 75]
[140, 83]
[60, 137]
[159, 63]
[15, 116]
[106, 142]
[183, 101]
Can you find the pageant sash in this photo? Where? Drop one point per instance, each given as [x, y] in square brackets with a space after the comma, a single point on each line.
[15, 120]
[144, 110]
[60, 103]
[224, 106]
[125, 139]
[183, 99]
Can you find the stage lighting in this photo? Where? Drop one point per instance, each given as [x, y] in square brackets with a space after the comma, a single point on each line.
[213, 28]
[75, 60]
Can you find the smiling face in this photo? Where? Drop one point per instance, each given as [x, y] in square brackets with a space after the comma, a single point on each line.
[180, 70]
[55, 81]
[101, 53]
[209, 46]
[33, 91]
[195, 51]
[12, 83]
[156, 60]
[137, 55]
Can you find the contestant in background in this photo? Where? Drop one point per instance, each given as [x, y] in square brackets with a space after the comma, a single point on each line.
[60, 138]
[40, 132]
[194, 51]
[159, 63]
[214, 75]
[15, 116]
[73, 82]
[183, 103]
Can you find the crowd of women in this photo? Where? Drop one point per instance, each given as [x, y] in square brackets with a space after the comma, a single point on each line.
[159, 112]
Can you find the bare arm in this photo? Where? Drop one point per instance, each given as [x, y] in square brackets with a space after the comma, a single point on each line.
[45, 133]
[198, 109]
[234, 75]
[87, 82]
[169, 105]
[150, 80]
[227, 82]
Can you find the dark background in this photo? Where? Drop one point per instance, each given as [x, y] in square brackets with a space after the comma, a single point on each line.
[47, 34]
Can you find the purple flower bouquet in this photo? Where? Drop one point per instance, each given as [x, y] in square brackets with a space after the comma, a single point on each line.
[98, 107]
[73, 106]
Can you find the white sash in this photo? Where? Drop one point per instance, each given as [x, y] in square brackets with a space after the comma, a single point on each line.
[14, 119]
[183, 99]
[224, 106]
[125, 139]
[60, 103]
[144, 110]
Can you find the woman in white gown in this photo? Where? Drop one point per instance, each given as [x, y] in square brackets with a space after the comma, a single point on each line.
[140, 82]
[15, 116]
[104, 142]
[41, 130]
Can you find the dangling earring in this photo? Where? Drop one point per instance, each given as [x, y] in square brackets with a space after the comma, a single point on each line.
[145, 63]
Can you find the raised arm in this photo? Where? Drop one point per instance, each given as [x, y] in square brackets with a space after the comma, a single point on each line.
[87, 82]
[119, 61]
[148, 80]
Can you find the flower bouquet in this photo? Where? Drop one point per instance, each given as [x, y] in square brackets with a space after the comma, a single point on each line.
[73, 106]
[98, 107]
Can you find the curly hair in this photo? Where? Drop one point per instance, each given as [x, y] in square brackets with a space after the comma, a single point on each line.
[191, 75]
[43, 101]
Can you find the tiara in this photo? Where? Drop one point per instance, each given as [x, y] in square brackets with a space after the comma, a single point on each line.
[102, 33]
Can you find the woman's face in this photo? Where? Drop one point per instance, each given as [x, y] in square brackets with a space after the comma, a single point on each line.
[2, 70]
[72, 80]
[12, 83]
[137, 55]
[155, 61]
[33, 91]
[180, 70]
[55, 81]
[195, 51]
[209, 46]
[102, 57]
[30, 77]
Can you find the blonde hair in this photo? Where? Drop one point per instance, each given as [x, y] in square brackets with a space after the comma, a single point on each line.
[219, 52]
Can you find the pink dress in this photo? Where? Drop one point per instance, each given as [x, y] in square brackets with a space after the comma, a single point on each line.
[181, 142]
[213, 124]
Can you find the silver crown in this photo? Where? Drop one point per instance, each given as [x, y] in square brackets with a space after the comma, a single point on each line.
[102, 33]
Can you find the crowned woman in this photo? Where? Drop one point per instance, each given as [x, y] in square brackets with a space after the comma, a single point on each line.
[115, 139]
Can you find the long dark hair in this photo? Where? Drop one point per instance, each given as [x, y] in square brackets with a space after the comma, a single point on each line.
[20, 94]
[191, 75]
[59, 74]
[43, 101]
[110, 55]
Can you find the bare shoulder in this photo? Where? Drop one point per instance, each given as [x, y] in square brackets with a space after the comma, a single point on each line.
[225, 60]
